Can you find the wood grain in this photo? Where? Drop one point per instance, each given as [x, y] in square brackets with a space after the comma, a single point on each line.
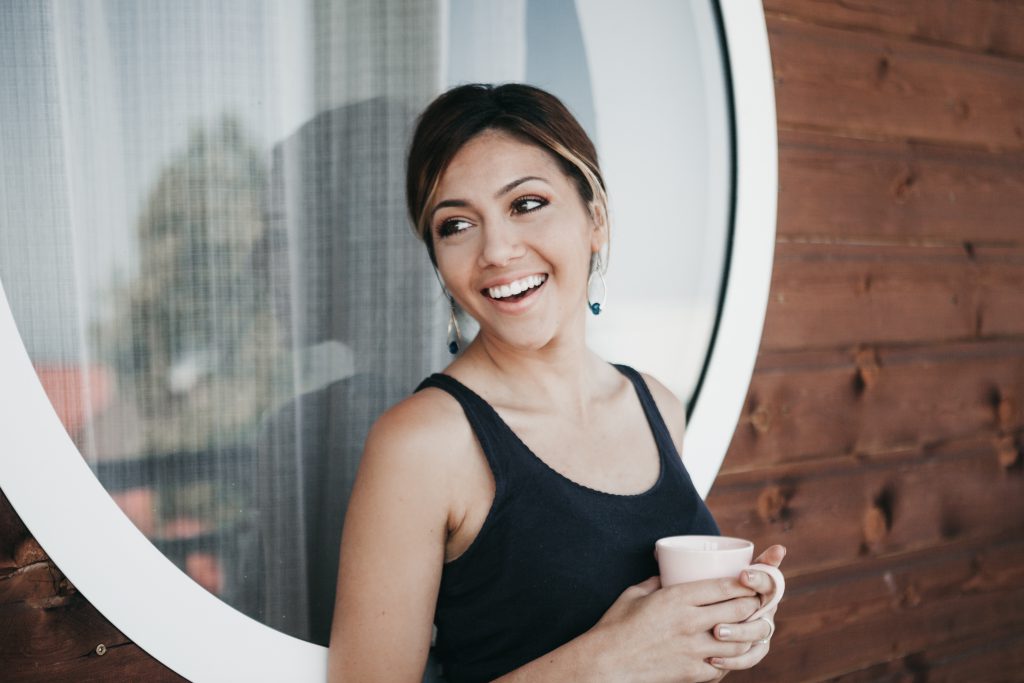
[984, 657]
[58, 645]
[874, 400]
[882, 440]
[873, 86]
[827, 295]
[48, 631]
[1000, 291]
[847, 189]
[836, 624]
[12, 534]
[990, 26]
[833, 513]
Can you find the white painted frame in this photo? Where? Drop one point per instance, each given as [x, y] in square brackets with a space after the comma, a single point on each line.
[203, 639]
[745, 297]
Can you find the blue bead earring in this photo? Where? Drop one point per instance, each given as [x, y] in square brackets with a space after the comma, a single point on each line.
[454, 335]
[596, 283]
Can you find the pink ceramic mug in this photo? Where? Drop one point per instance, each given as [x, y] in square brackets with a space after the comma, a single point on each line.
[694, 558]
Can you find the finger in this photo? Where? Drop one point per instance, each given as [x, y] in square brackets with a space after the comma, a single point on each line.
[710, 647]
[726, 650]
[759, 582]
[645, 587]
[745, 632]
[712, 591]
[733, 611]
[706, 672]
[744, 661]
[773, 556]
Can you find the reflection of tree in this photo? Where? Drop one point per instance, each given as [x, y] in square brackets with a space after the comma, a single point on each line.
[193, 334]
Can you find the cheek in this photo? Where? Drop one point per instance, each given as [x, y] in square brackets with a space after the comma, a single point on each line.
[575, 250]
[455, 266]
[584, 235]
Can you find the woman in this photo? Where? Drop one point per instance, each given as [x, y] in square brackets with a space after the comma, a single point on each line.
[515, 499]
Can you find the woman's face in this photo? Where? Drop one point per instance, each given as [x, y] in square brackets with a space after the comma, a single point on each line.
[513, 240]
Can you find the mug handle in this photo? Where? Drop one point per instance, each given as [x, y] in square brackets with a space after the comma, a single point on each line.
[780, 588]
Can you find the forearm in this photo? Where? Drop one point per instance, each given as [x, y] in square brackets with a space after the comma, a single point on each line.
[581, 659]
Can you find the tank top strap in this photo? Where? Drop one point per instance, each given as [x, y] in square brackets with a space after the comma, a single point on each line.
[662, 436]
[487, 425]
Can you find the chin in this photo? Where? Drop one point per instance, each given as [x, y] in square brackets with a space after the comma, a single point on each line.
[522, 339]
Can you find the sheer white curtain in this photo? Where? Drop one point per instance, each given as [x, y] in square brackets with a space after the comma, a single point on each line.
[204, 243]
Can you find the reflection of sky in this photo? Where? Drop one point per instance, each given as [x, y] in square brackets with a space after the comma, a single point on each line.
[663, 124]
[533, 41]
[556, 59]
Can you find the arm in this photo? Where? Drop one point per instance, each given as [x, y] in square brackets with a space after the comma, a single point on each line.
[392, 551]
[650, 634]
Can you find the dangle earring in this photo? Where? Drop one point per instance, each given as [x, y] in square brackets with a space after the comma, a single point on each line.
[597, 290]
[454, 335]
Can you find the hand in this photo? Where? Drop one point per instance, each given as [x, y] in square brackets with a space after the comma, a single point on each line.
[755, 634]
[655, 634]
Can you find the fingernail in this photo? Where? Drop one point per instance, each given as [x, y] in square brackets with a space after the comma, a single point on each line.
[724, 631]
[717, 661]
[749, 576]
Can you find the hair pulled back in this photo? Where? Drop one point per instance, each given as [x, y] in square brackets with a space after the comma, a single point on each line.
[523, 111]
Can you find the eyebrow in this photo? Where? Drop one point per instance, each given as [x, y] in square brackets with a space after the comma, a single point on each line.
[505, 189]
[516, 183]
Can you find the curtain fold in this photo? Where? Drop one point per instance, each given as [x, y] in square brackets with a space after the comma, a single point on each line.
[204, 242]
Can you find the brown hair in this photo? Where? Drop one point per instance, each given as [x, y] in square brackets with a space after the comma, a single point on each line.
[526, 112]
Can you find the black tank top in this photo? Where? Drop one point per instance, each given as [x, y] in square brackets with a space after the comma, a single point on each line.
[552, 554]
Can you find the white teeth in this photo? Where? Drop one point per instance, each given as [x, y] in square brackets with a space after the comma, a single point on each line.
[517, 287]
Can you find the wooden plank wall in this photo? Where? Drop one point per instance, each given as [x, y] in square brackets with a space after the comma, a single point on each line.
[48, 631]
[883, 437]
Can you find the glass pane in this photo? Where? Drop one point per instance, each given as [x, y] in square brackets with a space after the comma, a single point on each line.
[204, 242]
[649, 86]
[659, 75]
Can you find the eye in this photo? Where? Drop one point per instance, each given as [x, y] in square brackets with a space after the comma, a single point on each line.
[528, 204]
[452, 226]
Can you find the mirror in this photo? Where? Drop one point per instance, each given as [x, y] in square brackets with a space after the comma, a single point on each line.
[208, 279]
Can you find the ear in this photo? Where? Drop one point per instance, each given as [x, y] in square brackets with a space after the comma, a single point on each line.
[599, 237]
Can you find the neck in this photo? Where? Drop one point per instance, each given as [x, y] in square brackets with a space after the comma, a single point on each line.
[563, 373]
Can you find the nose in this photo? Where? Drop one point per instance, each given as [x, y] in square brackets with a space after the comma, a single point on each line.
[501, 244]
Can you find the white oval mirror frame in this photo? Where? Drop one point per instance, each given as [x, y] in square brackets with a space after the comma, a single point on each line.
[40, 466]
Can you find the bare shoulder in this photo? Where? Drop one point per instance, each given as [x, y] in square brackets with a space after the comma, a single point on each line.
[429, 412]
[402, 504]
[672, 409]
[427, 428]
[415, 461]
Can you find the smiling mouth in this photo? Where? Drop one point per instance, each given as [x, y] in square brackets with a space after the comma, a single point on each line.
[514, 291]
